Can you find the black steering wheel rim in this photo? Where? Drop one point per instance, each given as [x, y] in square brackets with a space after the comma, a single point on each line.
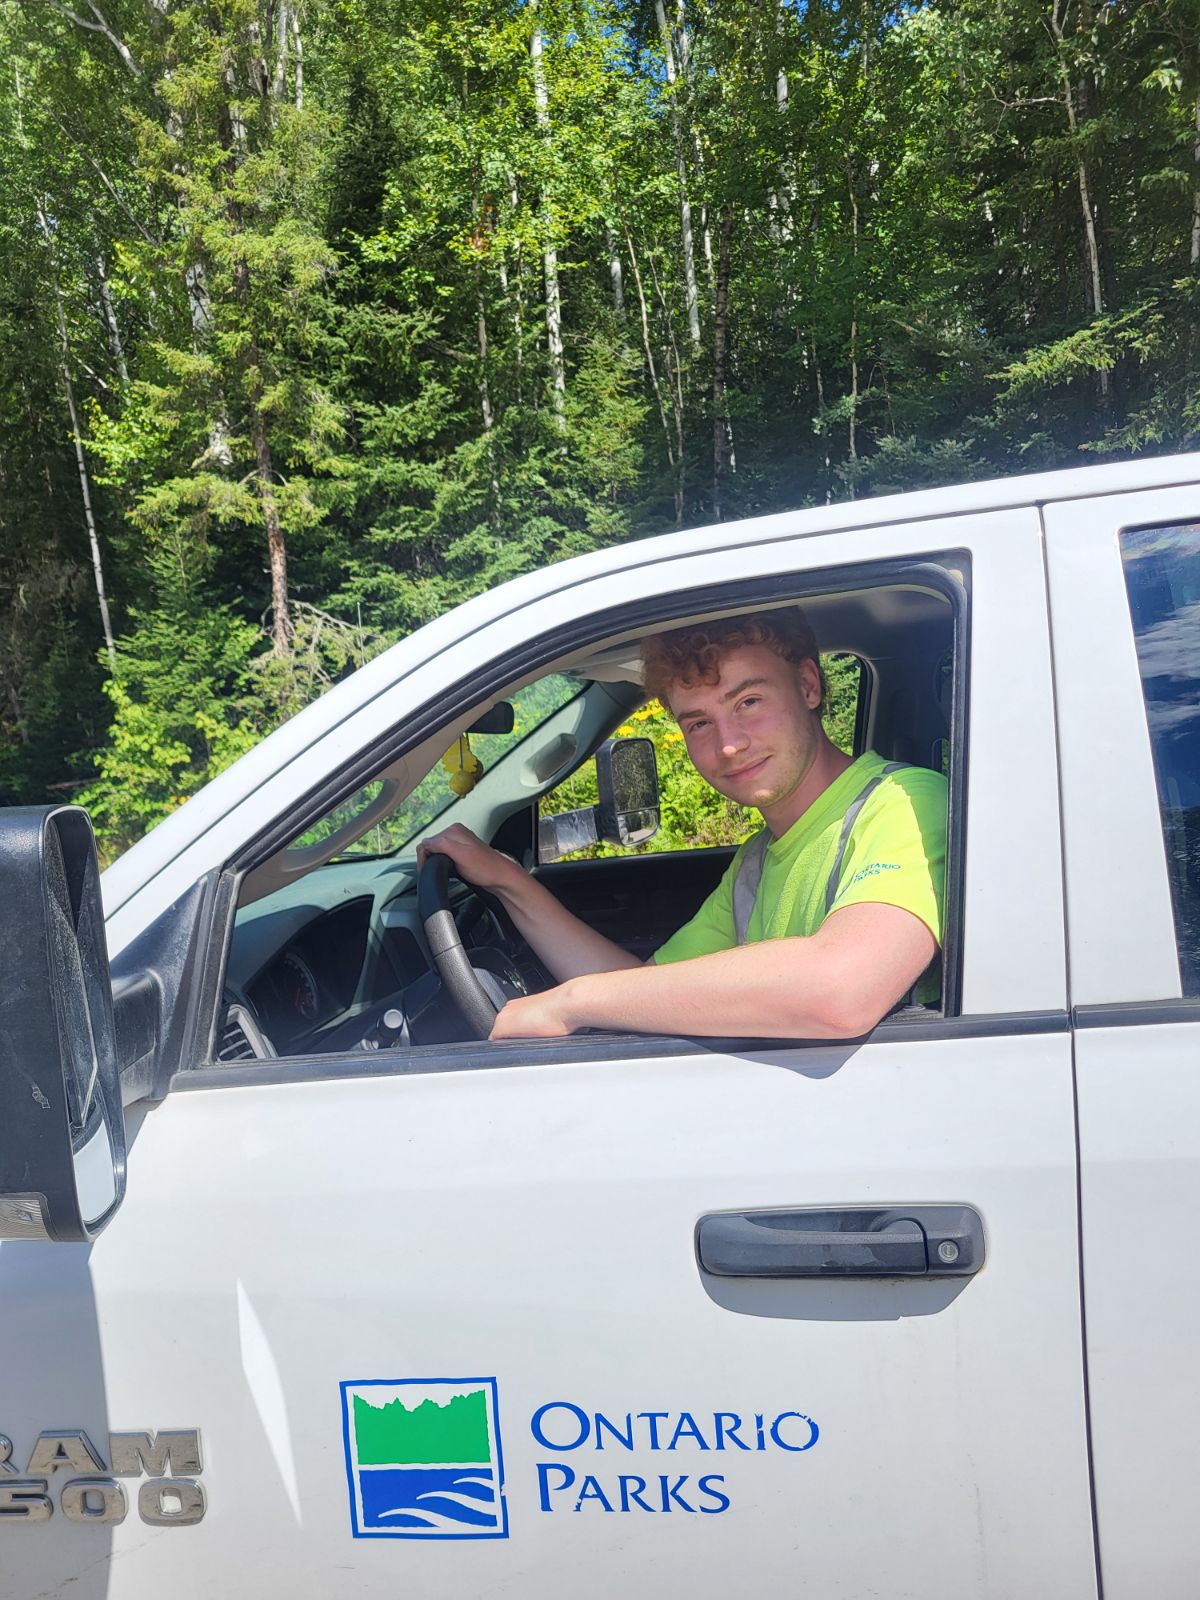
[450, 957]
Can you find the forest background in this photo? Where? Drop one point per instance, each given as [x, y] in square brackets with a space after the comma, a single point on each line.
[318, 316]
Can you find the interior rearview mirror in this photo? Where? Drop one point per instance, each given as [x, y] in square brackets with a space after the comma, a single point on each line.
[627, 812]
[500, 718]
[62, 1129]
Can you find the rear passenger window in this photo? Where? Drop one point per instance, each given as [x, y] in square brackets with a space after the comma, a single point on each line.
[1162, 575]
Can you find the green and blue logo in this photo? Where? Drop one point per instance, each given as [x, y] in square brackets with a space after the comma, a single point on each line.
[423, 1458]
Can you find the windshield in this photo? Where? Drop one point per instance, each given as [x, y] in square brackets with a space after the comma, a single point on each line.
[434, 797]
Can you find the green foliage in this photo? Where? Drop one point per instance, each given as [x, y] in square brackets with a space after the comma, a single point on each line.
[308, 313]
[183, 707]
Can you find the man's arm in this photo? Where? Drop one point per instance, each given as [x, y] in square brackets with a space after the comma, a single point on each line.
[837, 984]
[566, 946]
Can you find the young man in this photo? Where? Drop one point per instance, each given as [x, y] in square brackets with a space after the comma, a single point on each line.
[823, 921]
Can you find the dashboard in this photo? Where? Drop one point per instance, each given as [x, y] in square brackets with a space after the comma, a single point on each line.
[314, 978]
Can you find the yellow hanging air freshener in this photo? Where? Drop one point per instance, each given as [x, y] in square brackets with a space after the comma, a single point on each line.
[463, 765]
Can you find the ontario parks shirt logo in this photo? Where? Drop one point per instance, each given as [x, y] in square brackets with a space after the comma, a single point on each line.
[423, 1459]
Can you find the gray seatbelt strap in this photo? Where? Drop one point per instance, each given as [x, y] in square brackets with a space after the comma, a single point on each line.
[745, 885]
[835, 877]
[750, 868]
[852, 815]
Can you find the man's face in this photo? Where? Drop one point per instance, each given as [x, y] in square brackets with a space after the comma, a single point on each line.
[755, 733]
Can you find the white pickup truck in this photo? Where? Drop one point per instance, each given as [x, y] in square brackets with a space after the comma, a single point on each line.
[389, 1309]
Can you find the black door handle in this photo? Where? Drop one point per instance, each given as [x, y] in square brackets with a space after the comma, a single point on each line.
[853, 1242]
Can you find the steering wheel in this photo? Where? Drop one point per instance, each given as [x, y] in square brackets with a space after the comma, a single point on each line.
[478, 993]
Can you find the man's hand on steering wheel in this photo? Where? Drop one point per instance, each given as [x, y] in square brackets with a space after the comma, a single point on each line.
[564, 945]
[475, 862]
[479, 983]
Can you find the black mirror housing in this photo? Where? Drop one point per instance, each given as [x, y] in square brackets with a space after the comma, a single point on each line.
[628, 812]
[62, 1129]
[501, 718]
[627, 782]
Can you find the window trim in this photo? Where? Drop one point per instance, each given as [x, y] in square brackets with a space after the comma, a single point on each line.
[937, 569]
[1120, 932]
[1176, 885]
[864, 705]
[580, 1049]
[1137, 1013]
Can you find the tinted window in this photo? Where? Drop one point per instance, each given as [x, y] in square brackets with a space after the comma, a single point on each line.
[1162, 574]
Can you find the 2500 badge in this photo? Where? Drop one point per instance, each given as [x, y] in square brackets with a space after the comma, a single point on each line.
[172, 1494]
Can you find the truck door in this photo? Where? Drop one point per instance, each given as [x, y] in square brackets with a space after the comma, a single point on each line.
[1125, 592]
[439, 1317]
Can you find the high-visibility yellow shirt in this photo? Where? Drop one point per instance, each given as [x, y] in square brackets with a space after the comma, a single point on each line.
[895, 855]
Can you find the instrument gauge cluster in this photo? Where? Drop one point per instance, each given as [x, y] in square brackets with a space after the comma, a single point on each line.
[298, 987]
[314, 977]
[288, 998]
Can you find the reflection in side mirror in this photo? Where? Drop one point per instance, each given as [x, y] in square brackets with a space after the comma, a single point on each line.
[62, 1129]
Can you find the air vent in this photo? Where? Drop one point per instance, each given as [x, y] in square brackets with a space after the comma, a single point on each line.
[242, 1039]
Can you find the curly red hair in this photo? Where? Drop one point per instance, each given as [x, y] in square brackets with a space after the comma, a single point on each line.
[693, 655]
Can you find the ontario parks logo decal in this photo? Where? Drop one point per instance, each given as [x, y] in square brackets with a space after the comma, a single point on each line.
[423, 1459]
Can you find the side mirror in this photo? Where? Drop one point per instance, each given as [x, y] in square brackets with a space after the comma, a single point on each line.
[627, 779]
[628, 814]
[62, 1129]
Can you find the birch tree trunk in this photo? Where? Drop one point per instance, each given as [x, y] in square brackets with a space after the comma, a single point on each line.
[298, 52]
[1091, 243]
[674, 455]
[554, 343]
[486, 413]
[281, 617]
[282, 630]
[683, 40]
[614, 270]
[691, 296]
[195, 281]
[674, 377]
[723, 456]
[100, 25]
[485, 396]
[85, 488]
[674, 364]
[1194, 257]
[265, 476]
[283, 27]
[781, 201]
[816, 361]
[264, 464]
[110, 319]
[514, 294]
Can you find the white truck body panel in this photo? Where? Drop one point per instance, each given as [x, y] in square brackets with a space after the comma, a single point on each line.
[535, 1225]
[1138, 1086]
